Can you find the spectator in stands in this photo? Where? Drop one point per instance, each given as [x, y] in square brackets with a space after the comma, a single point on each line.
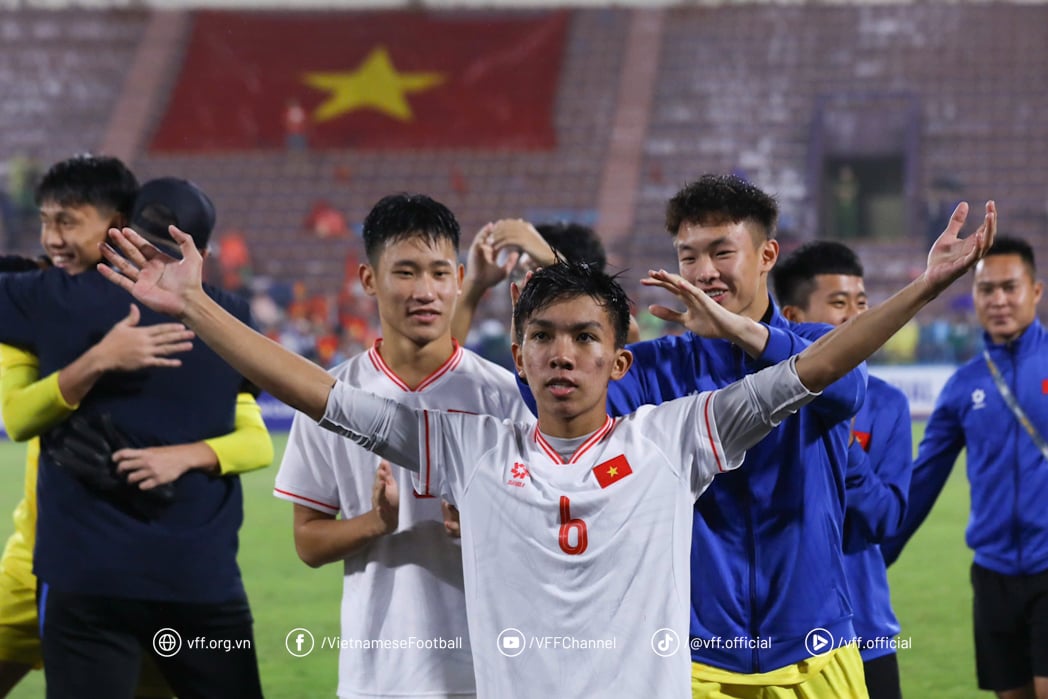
[822, 282]
[994, 407]
[296, 124]
[234, 261]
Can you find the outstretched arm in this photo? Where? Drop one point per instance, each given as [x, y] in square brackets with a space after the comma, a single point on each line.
[836, 353]
[174, 287]
[840, 351]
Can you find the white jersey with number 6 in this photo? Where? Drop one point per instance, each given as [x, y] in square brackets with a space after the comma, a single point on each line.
[577, 569]
[402, 600]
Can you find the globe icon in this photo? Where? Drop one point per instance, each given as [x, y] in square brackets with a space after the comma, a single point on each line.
[167, 642]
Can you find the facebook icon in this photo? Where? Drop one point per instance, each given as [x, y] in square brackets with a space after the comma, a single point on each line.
[299, 642]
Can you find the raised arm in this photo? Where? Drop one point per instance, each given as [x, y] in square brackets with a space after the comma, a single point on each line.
[950, 257]
[482, 273]
[843, 349]
[174, 287]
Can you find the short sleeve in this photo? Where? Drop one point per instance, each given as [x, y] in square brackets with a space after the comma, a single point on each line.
[307, 470]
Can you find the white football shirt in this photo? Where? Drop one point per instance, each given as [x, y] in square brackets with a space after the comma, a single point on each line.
[577, 569]
[403, 630]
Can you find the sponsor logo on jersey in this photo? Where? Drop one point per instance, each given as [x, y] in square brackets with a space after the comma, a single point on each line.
[518, 475]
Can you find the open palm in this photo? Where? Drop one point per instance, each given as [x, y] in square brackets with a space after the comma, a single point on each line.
[156, 279]
[952, 256]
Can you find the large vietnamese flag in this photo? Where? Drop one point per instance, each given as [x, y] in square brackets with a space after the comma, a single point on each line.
[367, 80]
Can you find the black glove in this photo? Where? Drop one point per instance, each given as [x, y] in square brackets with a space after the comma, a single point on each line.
[85, 447]
[82, 448]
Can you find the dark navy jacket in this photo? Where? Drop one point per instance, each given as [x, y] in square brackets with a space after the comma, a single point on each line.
[85, 543]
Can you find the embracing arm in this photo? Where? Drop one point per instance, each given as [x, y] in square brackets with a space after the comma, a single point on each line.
[246, 448]
[249, 446]
[31, 405]
[126, 347]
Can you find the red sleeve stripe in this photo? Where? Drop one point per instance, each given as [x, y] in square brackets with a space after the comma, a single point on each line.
[709, 432]
[303, 500]
[426, 493]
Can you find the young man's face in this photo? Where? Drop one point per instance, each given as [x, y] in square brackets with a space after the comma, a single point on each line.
[416, 285]
[1005, 296]
[836, 299]
[568, 356]
[726, 262]
[70, 234]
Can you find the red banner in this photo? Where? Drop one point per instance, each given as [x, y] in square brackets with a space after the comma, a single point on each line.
[366, 80]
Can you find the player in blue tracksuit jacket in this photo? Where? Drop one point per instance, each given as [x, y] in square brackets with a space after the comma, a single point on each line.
[1007, 473]
[767, 563]
[822, 281]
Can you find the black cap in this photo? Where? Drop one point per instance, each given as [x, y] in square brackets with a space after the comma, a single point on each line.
[169, 200]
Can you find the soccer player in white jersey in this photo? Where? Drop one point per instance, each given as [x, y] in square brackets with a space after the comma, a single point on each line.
[576, 528]
[403, 607]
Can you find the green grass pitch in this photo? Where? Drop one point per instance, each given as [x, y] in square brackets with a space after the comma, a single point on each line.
[930, 591]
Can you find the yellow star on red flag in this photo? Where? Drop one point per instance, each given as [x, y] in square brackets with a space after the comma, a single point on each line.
[374, 84]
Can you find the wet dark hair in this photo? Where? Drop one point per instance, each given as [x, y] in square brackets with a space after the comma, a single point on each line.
[1007, 245]
[563, 281]
[575, 242]
[94, 180]
[793, 278]
[718, 199]
[401, 216]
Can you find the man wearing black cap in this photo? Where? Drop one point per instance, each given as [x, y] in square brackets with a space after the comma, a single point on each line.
[113, 576]
[169, 200]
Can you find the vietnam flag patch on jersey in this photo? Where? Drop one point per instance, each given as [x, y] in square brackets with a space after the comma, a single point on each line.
[612, 471]
[863, 438]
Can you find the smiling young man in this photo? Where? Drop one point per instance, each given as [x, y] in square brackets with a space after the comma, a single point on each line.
[758, 532]
[576, 585]
[994, 406]
[403, 575]
[822, 282]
